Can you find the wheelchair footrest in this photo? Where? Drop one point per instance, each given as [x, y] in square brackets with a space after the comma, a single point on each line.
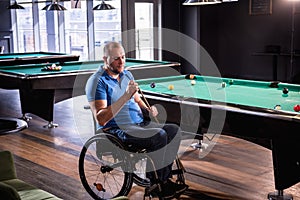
[151, 190]
[177, 171]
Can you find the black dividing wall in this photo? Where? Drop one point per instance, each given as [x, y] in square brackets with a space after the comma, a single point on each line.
[232, 37]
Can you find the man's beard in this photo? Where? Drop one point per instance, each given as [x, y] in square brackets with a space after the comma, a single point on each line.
[115, 71]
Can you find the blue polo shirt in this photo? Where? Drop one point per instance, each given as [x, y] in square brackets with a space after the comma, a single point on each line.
[101, 86]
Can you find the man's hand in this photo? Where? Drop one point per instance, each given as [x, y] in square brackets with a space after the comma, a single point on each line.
[132, 88]
[153, 111]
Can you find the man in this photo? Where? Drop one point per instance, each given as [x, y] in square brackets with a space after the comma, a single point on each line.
[116, 105]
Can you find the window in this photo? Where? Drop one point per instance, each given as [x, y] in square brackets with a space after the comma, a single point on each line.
[24, 28]
[107, 27]
[76, 30]
[83, 31]
[144, 31]
[46, 29]
[147, 38]
[44, 36]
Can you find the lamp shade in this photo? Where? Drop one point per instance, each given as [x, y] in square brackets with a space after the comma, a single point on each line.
[200, 2]
[54, 6]
[15, 6]
[103, 6]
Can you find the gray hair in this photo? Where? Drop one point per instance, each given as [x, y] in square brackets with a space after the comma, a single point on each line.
[109, 46]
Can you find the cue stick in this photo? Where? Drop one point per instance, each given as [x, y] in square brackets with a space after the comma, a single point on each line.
[145, 100]
[147, 104]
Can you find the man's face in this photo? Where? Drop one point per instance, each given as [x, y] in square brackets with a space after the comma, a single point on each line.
[116, 60]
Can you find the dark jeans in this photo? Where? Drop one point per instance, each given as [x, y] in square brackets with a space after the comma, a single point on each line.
[161, 142]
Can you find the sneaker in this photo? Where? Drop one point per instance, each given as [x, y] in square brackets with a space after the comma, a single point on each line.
[167, 191]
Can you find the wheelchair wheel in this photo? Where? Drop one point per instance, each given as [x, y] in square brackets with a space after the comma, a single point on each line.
[139, 174]
[179, 170]
[103, 167]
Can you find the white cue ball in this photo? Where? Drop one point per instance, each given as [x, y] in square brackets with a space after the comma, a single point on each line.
[193, 82]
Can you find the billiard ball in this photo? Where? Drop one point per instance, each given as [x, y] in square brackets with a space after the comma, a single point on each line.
[297, 108]
[171, 87]
[152, 85]
[51, 68]
[193, 82]
[57, 68]
[285, 90]
[230, 82]
[223, 84]
[277, 107]
[190, 76]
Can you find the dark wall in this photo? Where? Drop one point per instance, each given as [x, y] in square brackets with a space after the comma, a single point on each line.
[171, 12]
[232, 37]
[5, 28]
[240, 35]
[227, 32]
[176, 17]
[237, 36]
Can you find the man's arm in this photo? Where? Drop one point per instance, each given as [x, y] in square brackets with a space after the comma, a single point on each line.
[142, 104]
[104, 113]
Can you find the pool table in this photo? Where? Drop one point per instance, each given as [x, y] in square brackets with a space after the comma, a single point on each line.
[258, 111]
[40, 90]
[35, 58]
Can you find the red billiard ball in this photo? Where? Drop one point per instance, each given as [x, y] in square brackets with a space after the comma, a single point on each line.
[297, 108]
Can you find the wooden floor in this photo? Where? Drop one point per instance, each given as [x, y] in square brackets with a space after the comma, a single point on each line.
[48, 158]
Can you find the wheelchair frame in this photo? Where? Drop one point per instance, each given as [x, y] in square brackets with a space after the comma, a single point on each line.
[108, 168]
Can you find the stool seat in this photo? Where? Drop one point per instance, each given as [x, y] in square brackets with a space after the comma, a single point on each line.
[11, 125]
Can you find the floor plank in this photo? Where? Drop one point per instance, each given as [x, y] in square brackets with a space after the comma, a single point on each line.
[48, 158]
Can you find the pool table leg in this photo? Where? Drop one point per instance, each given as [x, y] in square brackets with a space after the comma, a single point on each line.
[278, 195]
[26, 117]
[286, 168]
[39, 102]
[199, 145]
[51, 125]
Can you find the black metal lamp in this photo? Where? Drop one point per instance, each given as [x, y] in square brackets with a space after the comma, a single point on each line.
[200, 2]
[15, 6]
[103, 6]
[54, 6]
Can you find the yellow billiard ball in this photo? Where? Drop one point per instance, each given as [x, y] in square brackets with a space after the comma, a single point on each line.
[171, 87]
[277, 107]
[193, 82]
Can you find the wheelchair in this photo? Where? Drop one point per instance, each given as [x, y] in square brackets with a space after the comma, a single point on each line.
[108, 168]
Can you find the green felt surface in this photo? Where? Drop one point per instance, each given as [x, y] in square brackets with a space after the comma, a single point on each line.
[27, 55]
[35, 69]
[241, 92]
[133, 62]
